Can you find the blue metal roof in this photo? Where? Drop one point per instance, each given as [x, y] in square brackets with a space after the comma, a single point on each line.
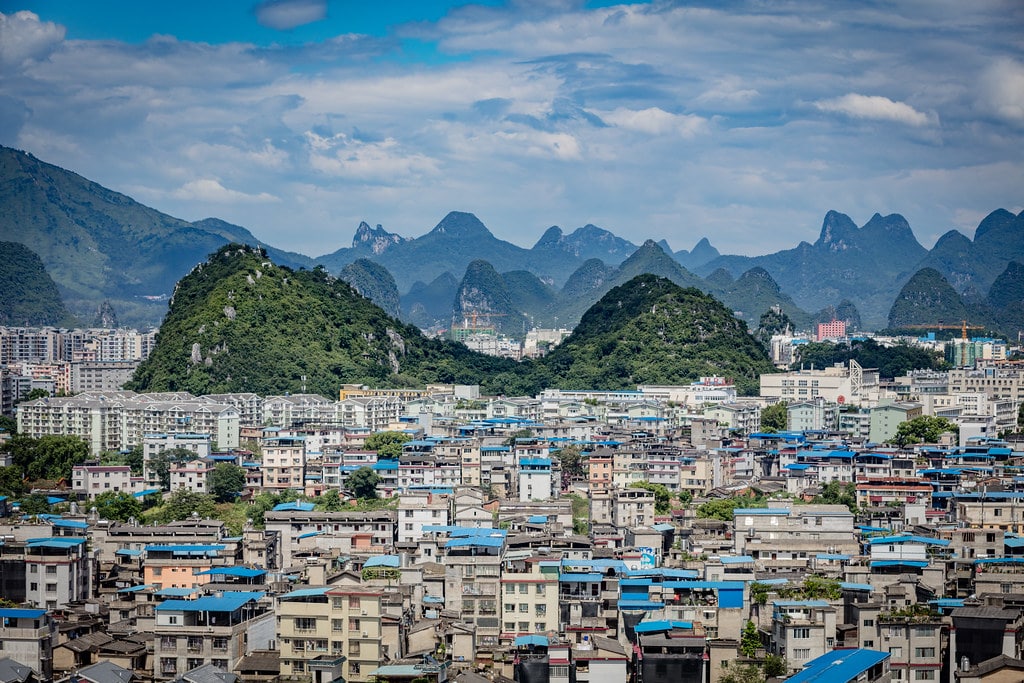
[229, 602]
[999, 560]
[16, 613]
[433, 600]
[475, 541]
[879, 540]
[639, 604]
[838, 666]
[1014, 542]
[296, 506]
[535, 462]
[850, 586]
[176, 592]
[740, 559]
[522, 641]
[55, 542]
[574, 577]
[69, 524]
[661, 625]
[797, 466]
[761, 511]
[537, 519]
[831, 556]
[306, 593]
[243, 572]
[920, 564]
[393, 561]
[308, 534]
[800, 603]
[135, 589]
[187, 550]
[663, 527]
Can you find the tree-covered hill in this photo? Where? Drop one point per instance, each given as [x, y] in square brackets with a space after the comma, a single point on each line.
[240, 323]
[927, 299]
[650, 330]
[30, 296]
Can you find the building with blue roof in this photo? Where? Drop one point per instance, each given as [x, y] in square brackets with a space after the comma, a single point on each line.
[845, 666]
[60, 567]
[223, 626]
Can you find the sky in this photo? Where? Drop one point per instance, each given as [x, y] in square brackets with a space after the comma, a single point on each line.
[744, 122]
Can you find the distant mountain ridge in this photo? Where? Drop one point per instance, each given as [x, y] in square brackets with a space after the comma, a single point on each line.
[101, 246]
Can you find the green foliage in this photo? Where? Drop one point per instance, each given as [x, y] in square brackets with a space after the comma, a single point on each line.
[746, 673]
[363, 483]
[837, 493]
[31, 297]
[48, 457]
[330, 501]
[387, 444]
[774, 418]
[650, 330]
[133, 458]
[775, 666]
[759, 592]
[821, 588]
[750, 640]
[266, 501]
[12, 482]
[183, 504]
[773, 321]
[723, 508]
[226, 481]
[373, 281]
[518, 434]
[8, 424]
[662, 496]
[891, 361]
[35, 504]
[925, 429]
[117, 505]
[927, 298]
[571, 460]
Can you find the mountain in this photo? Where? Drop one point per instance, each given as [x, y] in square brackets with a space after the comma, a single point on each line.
[845, 311]
[584, 243]
[99, 245]
[650, 330]
[928, 299]
[373, 281]
[30, 296]
[237, 322]
[753, 293]
[483, 299]
[866, 264]
[368, 243]
[106, 317]
[971, 267]
[430, 306]
[240, 235]
[701, 253]
[1006, 300]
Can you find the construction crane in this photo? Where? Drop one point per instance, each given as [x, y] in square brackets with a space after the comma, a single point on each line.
[962, 326]
[470, 319]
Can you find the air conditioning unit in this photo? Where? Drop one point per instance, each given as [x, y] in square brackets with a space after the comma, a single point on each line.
[363, 612]
[365, 634]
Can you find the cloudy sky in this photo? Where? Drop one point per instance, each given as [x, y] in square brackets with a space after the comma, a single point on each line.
[741, 121]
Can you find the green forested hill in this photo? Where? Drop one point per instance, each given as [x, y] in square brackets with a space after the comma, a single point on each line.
[239, 323]
[652, 331]
[30, 296]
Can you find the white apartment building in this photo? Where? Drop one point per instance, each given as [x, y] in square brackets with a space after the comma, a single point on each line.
[851, 385]
[89, 481]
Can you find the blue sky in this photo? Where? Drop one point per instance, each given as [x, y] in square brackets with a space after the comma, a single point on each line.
[742, 121]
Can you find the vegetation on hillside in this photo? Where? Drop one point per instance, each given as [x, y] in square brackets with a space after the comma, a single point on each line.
[30, 296]
[891, 361]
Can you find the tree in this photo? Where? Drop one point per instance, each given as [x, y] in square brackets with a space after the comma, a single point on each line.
[925, 428]
[571, 459]
[363, 483]
[132, 457]
[775, 417]
[518, 434]
[662, 497]
[746, 673]
[8, 424]
[775, 666]
[117, 505]
[183, 503]
[750, 640]
[48, 457]
[160, 464]
[35, 504]
[387, 444]
[330, 501]
[226, 481]
[12, 482]
[723, 508]
[837, 493]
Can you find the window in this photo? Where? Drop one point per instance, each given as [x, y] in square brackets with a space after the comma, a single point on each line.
[305, 624]
[337, 603]
[801, 633]
[524, 626]
[924, 652]
[195, 644]
[337, 647]
[157, 571]
[868, 644]
[220, 644]
[510, 607]
[869, 622]
[510, 589]
[510, 626]
[51, 588]
[926, 631]
[541, 610]
[353, 603]
[220, 663]
[33, 586]
[353, 624]
[298, 665]
[51, 569]
[801, 653]
[524, 588]
[168, 643]
[353, 648]
[33, 569]
[523, 608]
[924, 675]
[540, 627]
[353, 667]
[337, 625]
[193, 663]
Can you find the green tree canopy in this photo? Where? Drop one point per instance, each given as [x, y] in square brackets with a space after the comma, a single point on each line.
[750, 640]
[182, 504]
[226, 481]
[330, 501]
[363, 483]
[387, 444]
[662, 496]
[837, 493]
[48, 457]
[117, 505]
[925, 429]
[775, 417]
[160, 464]
[35, 504]
[723, 508]
[571, 459]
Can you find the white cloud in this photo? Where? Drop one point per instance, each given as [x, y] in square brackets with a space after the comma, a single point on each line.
[285, 15]
[1003, 84]
[655, 121]
[210, 190]
[383, 161]
[874, 107]
[23, 37]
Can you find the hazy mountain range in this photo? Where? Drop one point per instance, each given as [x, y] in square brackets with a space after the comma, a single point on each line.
[100, 246]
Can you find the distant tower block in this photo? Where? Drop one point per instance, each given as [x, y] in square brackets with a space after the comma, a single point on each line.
[831, 330]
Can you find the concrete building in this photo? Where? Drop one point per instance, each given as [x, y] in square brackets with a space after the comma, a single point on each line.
[58, 571]
[28, 637]
[529, 595]
[851, 385]
[89, 481]
[284, 462]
